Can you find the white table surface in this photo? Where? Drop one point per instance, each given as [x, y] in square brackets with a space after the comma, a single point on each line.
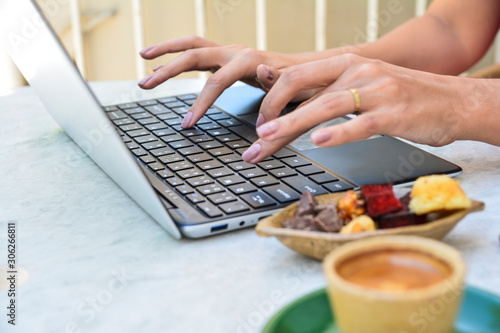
[94, 261]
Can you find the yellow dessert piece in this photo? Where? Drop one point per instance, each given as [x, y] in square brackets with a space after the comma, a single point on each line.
[358, 224]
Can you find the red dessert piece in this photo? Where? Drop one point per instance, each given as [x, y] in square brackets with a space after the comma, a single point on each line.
[380, 199]
[402, 217]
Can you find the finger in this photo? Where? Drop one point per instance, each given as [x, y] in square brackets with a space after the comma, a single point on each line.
[266, 76]
[359, 128]
[176, 45]
[261, 149]
[311, 75]
[215, 86]
[327, 106]
[190, 60]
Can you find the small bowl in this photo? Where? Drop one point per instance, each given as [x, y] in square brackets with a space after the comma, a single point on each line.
[316, 244]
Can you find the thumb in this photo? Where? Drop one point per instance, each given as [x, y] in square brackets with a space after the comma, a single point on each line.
[266, 76]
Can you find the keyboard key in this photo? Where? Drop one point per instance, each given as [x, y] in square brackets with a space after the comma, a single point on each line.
[167, 100]
[191, 132]
[165, 159]
[155, 166]
[179, 165]
[174, 181]
[230, 180]
[208, 126]
[324, 178]
[301, 183]
[130, 127]
[199, 157]
[210, 144]
[218, 116]
[171, 138]
[201, 138]
[258, 199]
[145, 138]
[132, 145]
[209, 165]
[221, 197]
[140, 115]
[217, 132]
[229, 122]
[163, 131]
[251, 173]
[272, 164]
[190, 151]
[203, 120]
[220, 151]
[283, 172]
[109, 108]
[173, 121]
[124, 121]
[166, 116]
[189, 101]
[212, 110]
[237, 166]
[242, 188]
[180, 144]
[237, 144]
[200, 180]
[153, 145]
[148, 159]
[156, 126]
[194, 172]
[184, 189]
[229, 158]
[284, 152]
[186, 96]
[228, 137]
[219, 172]
[165, 174]
[209, 209]
[174, 104]
[147, 121]
[181, 111]
[310, 170]
[157, 109]
[337, 186]
[139, 152]
[245, 132]
[234, 207]
[127, 105]
[148, 102]
[133, 110]
[282, 193]
[161, 151]
[296, 161]
[114, 115]
[195, 197]
[264, 181]
[210, 189]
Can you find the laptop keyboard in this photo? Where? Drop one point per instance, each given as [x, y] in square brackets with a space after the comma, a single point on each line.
[202, 165]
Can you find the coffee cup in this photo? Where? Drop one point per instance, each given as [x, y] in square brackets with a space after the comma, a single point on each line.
[395, 284]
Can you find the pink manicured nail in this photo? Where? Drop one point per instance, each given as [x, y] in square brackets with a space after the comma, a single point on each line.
[146, 50]
[251, 153]
[321, 137]
[157, 68]
[268, 129]
[145, 80]
[260, 120]
[187, 120]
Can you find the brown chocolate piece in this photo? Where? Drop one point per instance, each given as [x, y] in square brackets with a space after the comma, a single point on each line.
[328, 220]
[305, 222]
[306, 204]
[402, 217]
[319, 208]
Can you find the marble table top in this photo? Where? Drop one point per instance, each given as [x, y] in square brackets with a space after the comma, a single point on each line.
[91, 260]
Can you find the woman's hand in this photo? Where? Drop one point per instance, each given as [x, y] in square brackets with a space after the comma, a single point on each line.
[418, 106]
[228, 63]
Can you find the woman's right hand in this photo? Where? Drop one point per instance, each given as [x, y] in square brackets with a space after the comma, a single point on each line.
[227, 63]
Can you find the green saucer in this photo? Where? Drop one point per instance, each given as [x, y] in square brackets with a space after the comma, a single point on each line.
[480, 313]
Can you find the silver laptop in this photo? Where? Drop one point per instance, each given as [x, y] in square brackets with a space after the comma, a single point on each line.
[193, 182]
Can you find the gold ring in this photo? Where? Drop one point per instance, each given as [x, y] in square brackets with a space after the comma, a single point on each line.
[356, 99]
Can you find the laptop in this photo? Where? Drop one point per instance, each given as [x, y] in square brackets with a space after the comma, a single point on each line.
[193, 182]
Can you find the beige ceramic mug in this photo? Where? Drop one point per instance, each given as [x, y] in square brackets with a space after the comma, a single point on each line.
[395, 284]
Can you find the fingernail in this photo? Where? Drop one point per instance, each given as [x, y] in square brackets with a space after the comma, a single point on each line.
[145, 80]
[260, 120]
[187, 120]
[157, 68]
[251, 153]
[146, 50]
[270, 75]
[268, 129]
[321, 137]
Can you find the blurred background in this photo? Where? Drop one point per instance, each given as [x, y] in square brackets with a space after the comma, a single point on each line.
[105, 36]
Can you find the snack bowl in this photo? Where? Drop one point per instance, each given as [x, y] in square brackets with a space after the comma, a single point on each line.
[317, 245]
